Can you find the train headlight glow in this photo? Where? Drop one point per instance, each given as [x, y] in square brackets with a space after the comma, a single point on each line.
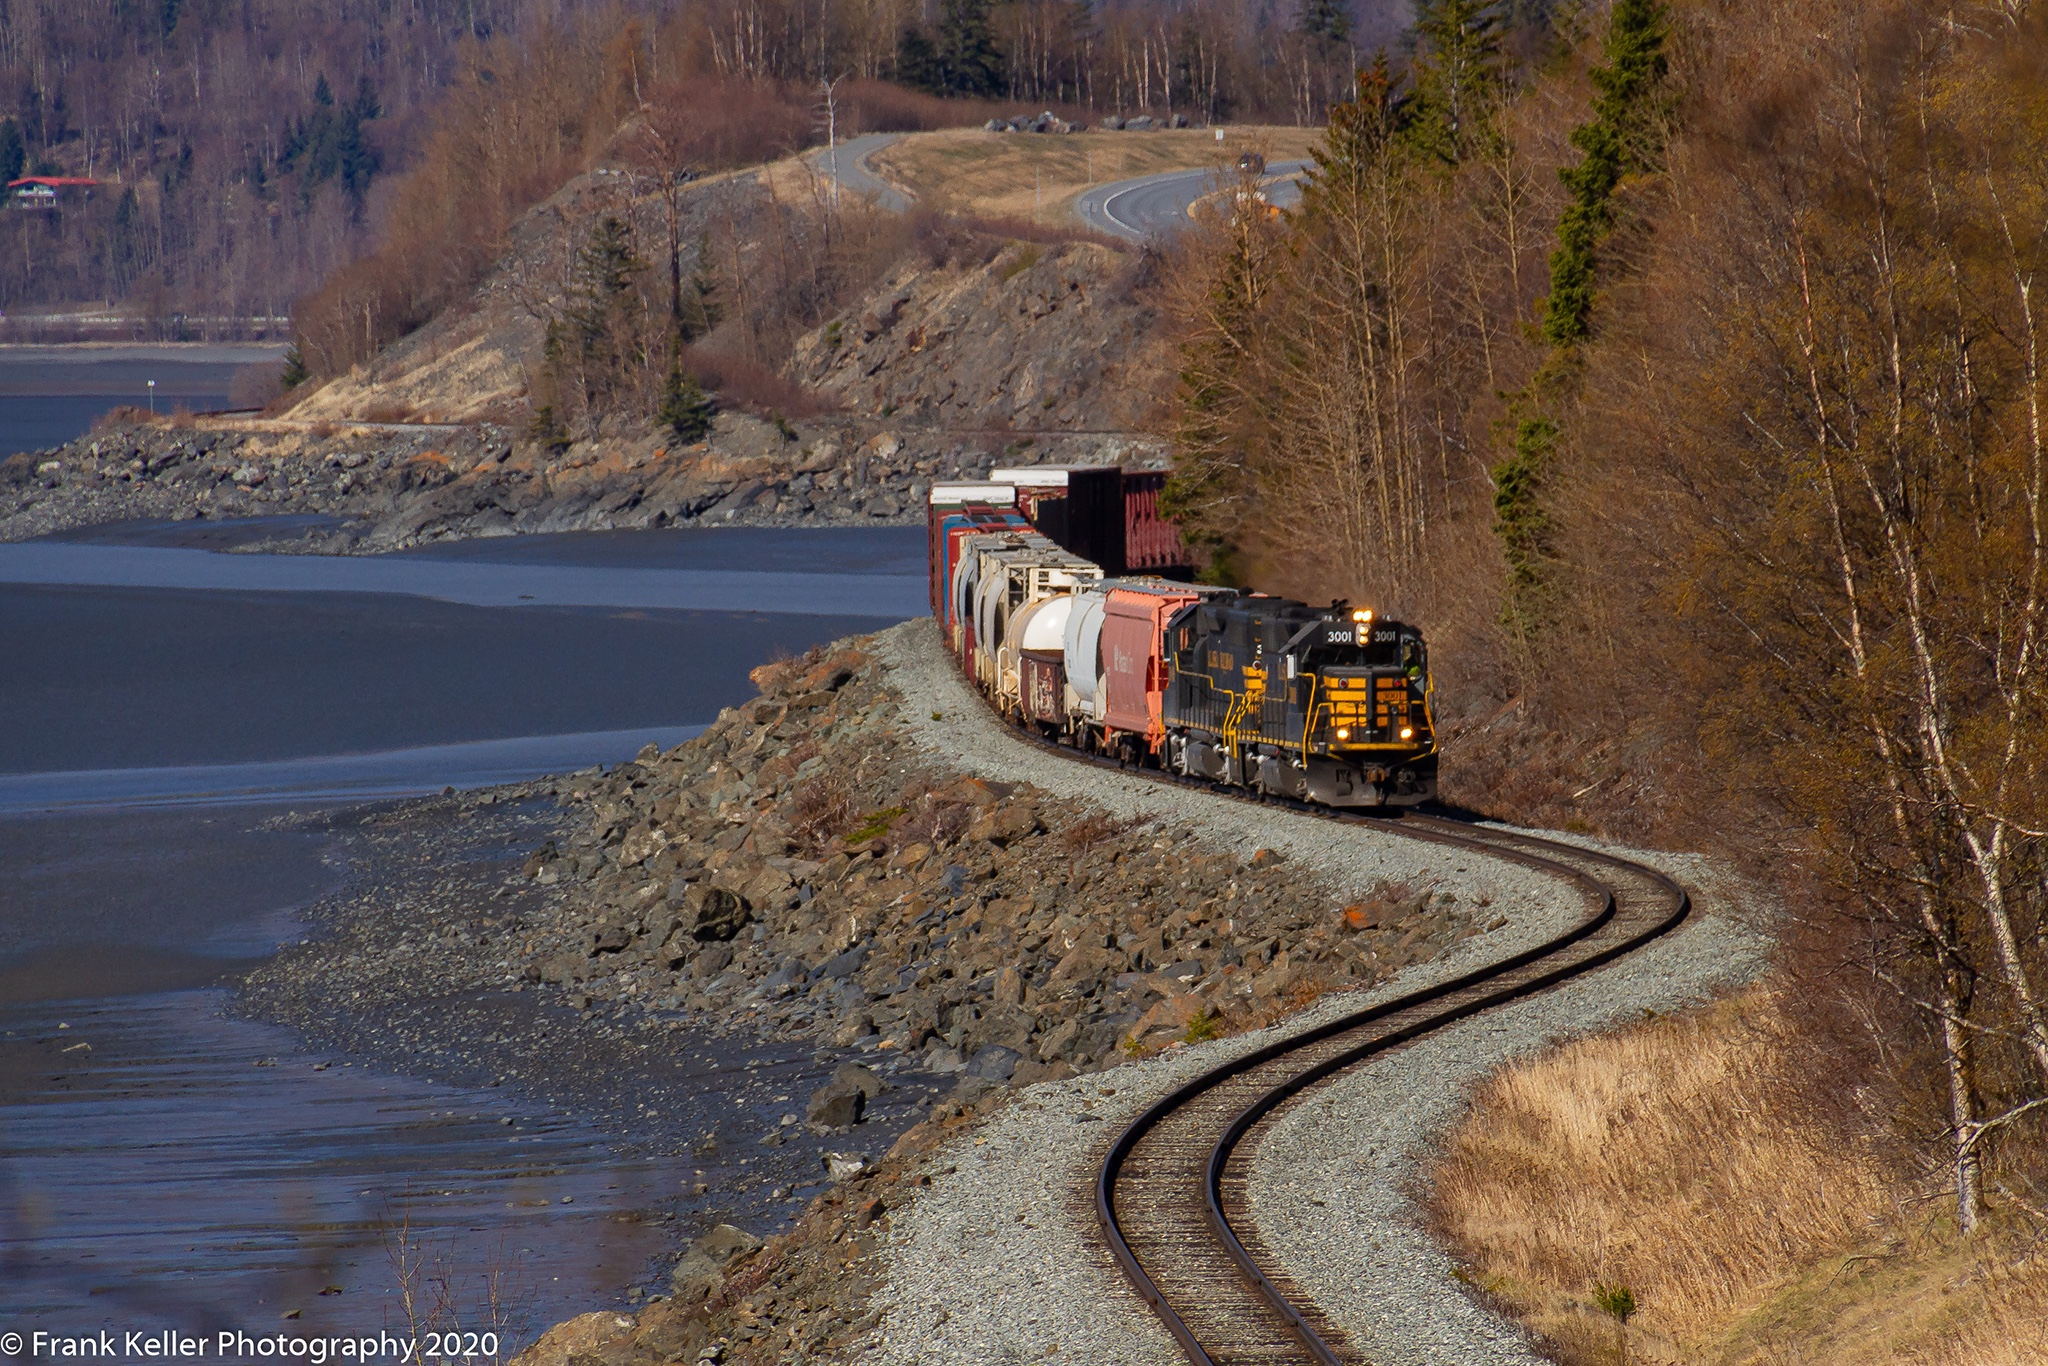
[1407, 732]
[1343, 733]
[1362, 615]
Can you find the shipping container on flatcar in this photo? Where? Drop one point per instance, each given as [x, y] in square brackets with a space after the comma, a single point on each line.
[1008, 577]
[950, 507]
[956, 529]
[965, 590]
[1081, 507]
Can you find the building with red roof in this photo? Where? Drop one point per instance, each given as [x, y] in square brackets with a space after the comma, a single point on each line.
[47, 191]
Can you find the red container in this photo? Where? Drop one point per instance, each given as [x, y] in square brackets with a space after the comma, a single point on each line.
[1042, 683]
[1152, 545]
[1134, 622]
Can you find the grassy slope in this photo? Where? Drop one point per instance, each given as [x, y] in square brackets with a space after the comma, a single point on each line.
[1679, 1160]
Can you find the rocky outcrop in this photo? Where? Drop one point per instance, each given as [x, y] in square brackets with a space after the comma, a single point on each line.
[801, 867]
[389, 487]
[1021, 336]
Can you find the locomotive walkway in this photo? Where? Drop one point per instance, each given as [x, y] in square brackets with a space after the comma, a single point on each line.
[1261, 1187]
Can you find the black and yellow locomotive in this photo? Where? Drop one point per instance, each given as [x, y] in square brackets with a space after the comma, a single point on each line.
[1326, 704]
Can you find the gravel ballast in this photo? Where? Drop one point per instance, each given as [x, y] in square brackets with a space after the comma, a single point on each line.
[1000, 1259]
[1333, 1184]
[1353, 859]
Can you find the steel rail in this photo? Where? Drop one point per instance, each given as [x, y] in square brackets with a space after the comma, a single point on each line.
[1497, 842]
[1226, 1145]
[1494, 842]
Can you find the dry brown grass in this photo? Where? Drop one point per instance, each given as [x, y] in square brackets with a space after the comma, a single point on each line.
[1677, 1159]
[1035, 177]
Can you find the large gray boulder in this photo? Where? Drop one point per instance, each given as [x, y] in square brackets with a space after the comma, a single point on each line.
[700, 1272]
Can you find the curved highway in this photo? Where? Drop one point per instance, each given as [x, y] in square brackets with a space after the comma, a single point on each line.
[1137, 209]
[848, 163]
[1157, 205]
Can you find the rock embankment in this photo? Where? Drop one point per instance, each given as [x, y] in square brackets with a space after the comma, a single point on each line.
[867, 793]
[805, 869]
[388, 487]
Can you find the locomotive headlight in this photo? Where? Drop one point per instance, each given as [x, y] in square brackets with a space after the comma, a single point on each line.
[1407, 732]
[1343, 733]
[1362, 615]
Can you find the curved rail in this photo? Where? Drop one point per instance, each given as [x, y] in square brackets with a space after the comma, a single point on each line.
[1357, 1036]
[1338, 1044]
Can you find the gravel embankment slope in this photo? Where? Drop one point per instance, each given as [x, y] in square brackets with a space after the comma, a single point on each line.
[1000, 1261]
[1333, 1184]
[1353, 859]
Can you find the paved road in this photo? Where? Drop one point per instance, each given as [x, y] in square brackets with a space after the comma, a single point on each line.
[849, 162]
[1143, 207]
[1157, 205]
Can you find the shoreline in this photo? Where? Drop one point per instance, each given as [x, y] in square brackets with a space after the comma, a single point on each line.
[390, 486]
[866, 984]
[906, 952]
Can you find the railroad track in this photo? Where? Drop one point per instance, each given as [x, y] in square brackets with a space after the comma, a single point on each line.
[1171, 1195]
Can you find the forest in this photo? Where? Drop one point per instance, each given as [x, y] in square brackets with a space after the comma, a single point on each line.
[250, 149]
[1681, 365]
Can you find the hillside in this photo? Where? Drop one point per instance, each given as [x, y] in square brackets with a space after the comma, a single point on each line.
[248, 154]
[938, 347]
[1035, 178]
[1039, 339]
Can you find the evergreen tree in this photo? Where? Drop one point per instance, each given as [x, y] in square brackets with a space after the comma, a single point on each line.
[695, 310]
[917, 61]
[13, 151]
[1329, 21]
[547, 431]
[328, 144]
[598, 341]
[685, 408]
[970, 63]
[294, 372]
[1521, 523]
[1460, 71]
[121, 242]
[1621, 139]
[1357, 137]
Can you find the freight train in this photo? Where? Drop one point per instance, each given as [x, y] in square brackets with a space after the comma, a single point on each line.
[1054, 586]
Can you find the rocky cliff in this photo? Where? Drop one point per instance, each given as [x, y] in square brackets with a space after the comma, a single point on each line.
[1021, 336]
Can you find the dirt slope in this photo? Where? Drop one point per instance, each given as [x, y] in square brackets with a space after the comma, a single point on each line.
[473, 362]
[1033, 338]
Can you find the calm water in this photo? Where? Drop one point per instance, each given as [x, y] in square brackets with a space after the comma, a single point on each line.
[51, 394]
[164, 1165]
